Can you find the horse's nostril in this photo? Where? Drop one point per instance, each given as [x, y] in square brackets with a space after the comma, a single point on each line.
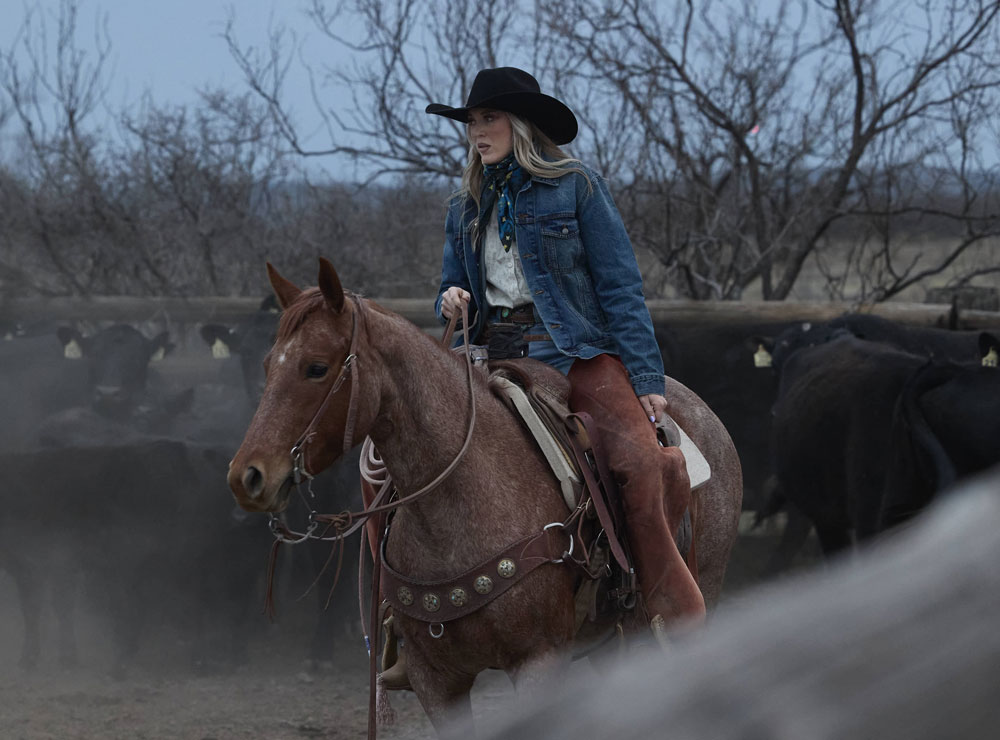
[253, 481]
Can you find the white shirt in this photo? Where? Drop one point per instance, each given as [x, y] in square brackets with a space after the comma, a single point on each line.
[505, 283]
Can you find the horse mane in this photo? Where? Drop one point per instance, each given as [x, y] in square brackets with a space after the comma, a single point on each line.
[293, 316]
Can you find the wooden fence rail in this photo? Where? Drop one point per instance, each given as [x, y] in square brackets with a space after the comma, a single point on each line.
[420, 311]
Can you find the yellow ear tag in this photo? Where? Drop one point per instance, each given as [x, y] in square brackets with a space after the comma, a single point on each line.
[220, 350]
[72, 350]
[761, 358]
[990, 359]
[158, 355]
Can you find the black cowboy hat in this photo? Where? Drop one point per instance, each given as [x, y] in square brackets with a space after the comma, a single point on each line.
[515, 91]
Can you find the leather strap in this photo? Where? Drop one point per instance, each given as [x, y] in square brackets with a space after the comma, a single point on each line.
[599, 488]
[446, 600]
[348, 523]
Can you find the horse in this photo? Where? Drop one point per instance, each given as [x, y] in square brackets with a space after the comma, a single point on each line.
[411, 396]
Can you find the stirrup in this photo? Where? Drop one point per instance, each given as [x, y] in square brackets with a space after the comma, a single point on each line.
[393, 673]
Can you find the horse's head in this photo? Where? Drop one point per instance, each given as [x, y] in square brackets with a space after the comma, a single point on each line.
[305, 371]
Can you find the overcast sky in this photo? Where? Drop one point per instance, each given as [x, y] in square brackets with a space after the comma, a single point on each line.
[171, 48]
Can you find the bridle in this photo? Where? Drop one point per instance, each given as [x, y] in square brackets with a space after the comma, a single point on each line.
[346, 523]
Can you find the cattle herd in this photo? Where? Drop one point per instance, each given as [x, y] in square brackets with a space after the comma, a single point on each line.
[114, 493]
[115, 500]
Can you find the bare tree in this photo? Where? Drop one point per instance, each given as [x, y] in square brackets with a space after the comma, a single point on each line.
[407, 55]
[752, 147]
[762, 131]
[744, 140]
[53, 89]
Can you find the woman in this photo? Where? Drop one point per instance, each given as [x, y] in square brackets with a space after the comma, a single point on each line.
[535, 246]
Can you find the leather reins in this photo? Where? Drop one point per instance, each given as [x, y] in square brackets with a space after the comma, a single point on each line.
[346, 523]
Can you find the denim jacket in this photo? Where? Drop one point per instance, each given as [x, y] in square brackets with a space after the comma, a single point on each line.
[579, 265]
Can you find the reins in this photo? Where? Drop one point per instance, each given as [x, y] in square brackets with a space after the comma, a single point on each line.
[346, 523]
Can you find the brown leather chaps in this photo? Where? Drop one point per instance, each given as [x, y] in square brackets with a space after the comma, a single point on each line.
[653, 481]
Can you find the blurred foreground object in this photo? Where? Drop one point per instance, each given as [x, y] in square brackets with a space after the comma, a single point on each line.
[900, 642]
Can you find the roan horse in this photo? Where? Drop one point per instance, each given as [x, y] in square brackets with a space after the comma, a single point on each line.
[412, 399]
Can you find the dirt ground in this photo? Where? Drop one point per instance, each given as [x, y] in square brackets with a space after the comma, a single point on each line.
[274, 701]
[272, 696]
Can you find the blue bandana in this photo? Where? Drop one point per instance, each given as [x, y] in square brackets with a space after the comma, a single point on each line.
[501, 183]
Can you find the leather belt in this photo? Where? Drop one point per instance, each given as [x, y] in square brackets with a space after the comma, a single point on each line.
[521, 315]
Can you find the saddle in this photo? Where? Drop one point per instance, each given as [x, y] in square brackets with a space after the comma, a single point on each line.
[539, 394]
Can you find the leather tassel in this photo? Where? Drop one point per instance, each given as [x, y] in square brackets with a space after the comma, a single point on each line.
[384, 712]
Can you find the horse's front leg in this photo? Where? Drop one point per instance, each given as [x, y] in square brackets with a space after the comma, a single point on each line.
[444, 695]
[540, 673]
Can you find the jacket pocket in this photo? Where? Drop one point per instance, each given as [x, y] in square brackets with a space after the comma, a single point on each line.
[561, 243]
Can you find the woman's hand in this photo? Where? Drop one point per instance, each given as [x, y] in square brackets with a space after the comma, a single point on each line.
[654, 405]
[452, 300]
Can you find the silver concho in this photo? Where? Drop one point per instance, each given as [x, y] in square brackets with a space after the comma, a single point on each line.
[404, 595]
[458, 597]
[506, 568]
[483, 584]
[431, 602]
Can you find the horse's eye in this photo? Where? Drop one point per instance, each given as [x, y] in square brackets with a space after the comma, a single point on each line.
[316, 371]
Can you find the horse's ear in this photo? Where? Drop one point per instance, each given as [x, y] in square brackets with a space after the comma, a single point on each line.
[329, 285]
[284, 290]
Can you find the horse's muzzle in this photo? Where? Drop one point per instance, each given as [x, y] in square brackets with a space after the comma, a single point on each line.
[250, 486]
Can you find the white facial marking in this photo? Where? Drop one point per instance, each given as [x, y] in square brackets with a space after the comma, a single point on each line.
[289, 347]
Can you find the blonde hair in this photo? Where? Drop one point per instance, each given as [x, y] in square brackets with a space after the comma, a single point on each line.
[537, 154]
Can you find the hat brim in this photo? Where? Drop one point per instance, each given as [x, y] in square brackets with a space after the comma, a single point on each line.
[551, 116]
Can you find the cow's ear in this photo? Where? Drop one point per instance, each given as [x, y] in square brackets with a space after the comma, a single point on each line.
[989, 349]
[329, 285]
[223, 340]
[284, 290]
[74, 344]
[269, 304]
[159, 346]
[761, 349]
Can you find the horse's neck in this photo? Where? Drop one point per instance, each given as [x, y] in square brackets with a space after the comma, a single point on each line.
[423, 405]
[424, 417]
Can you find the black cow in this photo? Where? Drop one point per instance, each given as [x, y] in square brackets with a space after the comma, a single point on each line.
[946, 427]
[120, 524]
[929, 342]
[775, 349]
[734, 377]
[841, 415]
[117, 360]
[128, 415]
[35, 382]
[250, 341]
